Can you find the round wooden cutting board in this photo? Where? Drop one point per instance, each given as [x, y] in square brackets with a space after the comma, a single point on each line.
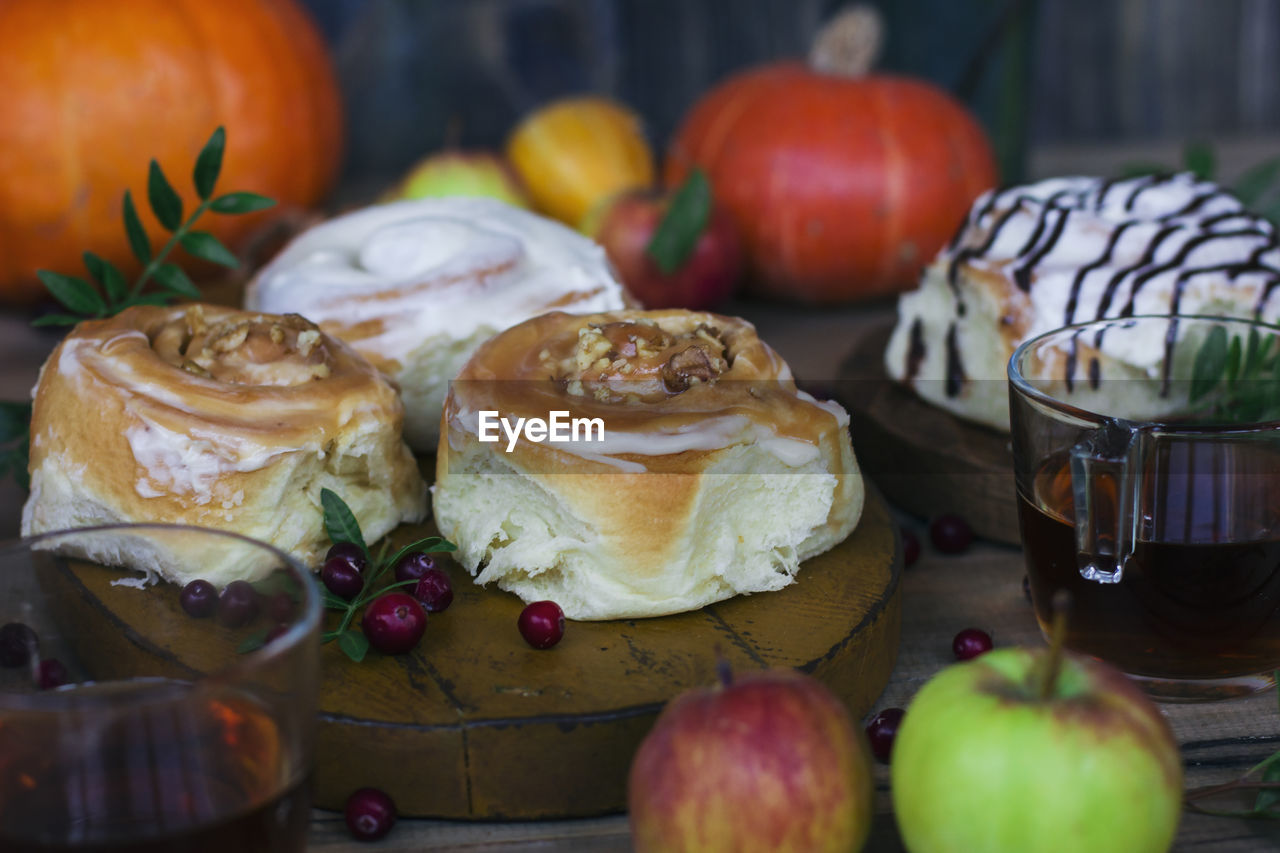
[476, 724]
[926, 460]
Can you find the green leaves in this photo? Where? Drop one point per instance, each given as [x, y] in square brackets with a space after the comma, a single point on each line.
[75, 293]
[1237, 382]
[678, 232]
[165, 203]
[209, 164]
[341, 524]
[173, 279]
[14, 440]
[137, 235]
[204, 245]
[354, 643]
[109, 293]
[1199, 160]
[240, 203]
[1257, 181]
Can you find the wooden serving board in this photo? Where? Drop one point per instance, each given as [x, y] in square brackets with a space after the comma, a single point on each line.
[476, 724]
[925, 459]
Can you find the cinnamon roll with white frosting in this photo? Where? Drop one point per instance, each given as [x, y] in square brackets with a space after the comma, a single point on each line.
[689, 468]
[1069, 250]
[416, 286]
[217, 418]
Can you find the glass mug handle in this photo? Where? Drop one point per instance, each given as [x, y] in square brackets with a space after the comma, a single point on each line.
[1105, 478]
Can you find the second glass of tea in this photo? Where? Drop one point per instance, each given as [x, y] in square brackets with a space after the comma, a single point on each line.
[1147, 461]
[129, 724]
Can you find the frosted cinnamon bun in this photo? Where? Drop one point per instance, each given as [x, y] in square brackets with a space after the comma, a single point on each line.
[217, 418]
[1069, 250]
[416, 286]
[688, 466]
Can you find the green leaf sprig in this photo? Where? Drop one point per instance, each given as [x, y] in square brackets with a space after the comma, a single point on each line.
[1263, 777]
[112, 292]
[1235, 382]
[342, 527]
[686, 218]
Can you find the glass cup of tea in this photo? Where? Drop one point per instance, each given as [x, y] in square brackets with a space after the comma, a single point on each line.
[1147, 461]
[128, 724]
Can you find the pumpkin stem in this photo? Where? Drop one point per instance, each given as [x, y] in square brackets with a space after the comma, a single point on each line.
[849, 43]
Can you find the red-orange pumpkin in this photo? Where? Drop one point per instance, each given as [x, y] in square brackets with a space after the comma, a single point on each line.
[90, 91]
[842, 187]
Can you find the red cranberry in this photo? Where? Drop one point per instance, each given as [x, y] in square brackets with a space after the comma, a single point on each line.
[394, 623]
[238, 604]
[950, 534]
[342, 578]
[542, 624]
[199, 598]
[910, 547]
[881, 731]
[51, 673]
[281, 607]
[349, 552]
[370, 814]
[970, 643]
[413, 566]
[17, 644]
[434, 590]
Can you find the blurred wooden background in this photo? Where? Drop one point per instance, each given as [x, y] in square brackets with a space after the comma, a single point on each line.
[1061, 84]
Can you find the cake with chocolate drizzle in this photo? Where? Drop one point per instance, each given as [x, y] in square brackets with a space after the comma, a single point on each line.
[1034, 258]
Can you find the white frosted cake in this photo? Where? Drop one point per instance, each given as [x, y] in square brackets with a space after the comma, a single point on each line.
[416, 286]
[1070, 250]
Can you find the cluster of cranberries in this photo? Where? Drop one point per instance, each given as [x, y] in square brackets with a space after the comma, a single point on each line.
[19, 645]
[393, 622]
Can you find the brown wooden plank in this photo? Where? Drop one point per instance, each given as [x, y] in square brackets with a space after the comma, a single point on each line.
[476, 724]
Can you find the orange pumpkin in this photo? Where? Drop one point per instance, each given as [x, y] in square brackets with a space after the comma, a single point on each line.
[842, 187]
[93, 90]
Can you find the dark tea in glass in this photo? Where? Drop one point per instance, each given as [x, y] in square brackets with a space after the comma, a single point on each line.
[170, 733]
[1148, 480]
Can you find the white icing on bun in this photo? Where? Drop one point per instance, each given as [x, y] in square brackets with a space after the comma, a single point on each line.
[1069, 250]
[716, 476]
[416, 286]
[218, 418]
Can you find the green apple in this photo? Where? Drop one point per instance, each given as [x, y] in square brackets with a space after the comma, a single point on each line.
[461, 173]
[767, 761]
[1016, 752]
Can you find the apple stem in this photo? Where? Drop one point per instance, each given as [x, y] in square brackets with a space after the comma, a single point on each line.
[1057, 638]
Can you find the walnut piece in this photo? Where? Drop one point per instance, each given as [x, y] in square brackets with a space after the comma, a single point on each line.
[638, 360]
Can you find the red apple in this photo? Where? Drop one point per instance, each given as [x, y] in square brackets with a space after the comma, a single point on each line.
[769, 761]
[1013, 752]
[625, 227]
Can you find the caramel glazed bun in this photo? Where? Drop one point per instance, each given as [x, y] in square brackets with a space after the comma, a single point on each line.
[715, 476]
[416, 286]
[218, 418]
[1035, 258]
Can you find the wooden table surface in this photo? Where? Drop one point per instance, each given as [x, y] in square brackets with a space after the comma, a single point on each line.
[942, 594]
